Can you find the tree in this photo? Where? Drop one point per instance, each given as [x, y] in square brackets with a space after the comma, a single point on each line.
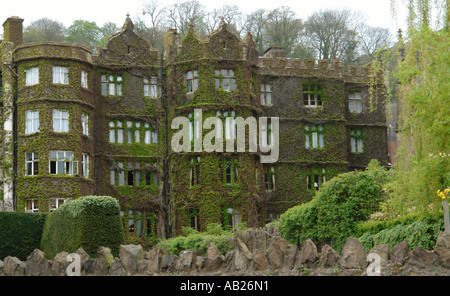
[372, 39]
[230, 14]
[282, 29]
[107, 30]
[333, 33]
[181, 15]
[423, 162]
[84, 32]
[255, 23]
[44, 29]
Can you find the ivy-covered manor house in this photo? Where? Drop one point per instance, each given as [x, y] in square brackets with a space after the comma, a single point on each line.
[78, 122]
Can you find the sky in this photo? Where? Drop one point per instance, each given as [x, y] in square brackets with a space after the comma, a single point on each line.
[378, 12]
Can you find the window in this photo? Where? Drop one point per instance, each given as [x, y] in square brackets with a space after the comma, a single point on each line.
[84, 79]
[224, 79]
[151, 174]
[311, 96]
[354, 102]
[266, 94]
[32, 76]
[32, 121]
[60, 121]
[194, 219]
[150, 135]
[315, 177]
[32, 205]
[62, 163]
[115, 132]
[55, 203]
[192, 81]
[111, 85]
[314, 136]
[85, 123]
[229, 172]
[60, 75]
[269, 178]
[31, 163]
[150, 87]
[85, 165]
[195, 171]
[266, 133]
[356, 141]
[134, 174]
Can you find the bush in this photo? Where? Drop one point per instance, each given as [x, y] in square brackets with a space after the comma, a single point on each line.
[88, 222]
[194, 240]
[418, 229]
[334, 212]
[20, 233]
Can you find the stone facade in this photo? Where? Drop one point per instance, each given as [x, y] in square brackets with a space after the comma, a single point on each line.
[78, 122]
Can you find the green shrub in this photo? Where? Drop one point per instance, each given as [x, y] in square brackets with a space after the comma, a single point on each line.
[418, 229]
[334, 212]
[194, 240]
[88, 222]
[20, 233]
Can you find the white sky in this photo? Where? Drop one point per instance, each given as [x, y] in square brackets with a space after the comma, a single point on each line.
[378, 12]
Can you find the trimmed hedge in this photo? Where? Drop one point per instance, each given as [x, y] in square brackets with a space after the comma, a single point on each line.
[88, 222]
[20, 233]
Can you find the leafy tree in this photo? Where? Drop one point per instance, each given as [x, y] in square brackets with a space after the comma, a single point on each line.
[44, 29]
[84, 32]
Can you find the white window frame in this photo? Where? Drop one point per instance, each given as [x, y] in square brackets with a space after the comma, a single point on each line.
[64, 158]
[31, 76]
[32, 163]
[60, 75]
[150, 87]
[266, 94]
[192, 81]
[111, 86]
[85, 123]
[58, 202]
[34, 205]
[356, 143]
[61, 118]
[85, 165]
[225, 79]
[31, 121]
[84, 79]
[355, 102]
[314, 134]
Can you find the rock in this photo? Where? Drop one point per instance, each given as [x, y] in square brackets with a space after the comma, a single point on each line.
[422, 258]
[228, 263]
[328, 257]
[290, 256]
[83, 255]
[168, 263]
[275, 252]
[308, 255]
[100, 267]
[242, 256]
[37, 264]
[213, 260]
[154, 258]
[186, 260]
[105, 254]
[1, 267]
[400, 253]
[260, 262]
[383, 251]
[143, 267]
[59, 264]
[117, 268]
[442, 248]
[88, 267]
[13, 266]
[130, 255]
[353, 255]
[200, 262]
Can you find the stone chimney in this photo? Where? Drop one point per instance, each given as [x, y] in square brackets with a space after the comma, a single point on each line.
[12, 30]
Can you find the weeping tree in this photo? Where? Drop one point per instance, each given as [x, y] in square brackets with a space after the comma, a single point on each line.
[423, 165]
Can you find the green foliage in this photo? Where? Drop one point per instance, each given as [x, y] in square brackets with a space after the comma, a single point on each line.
[195, 240]
[418, 229]
[83, 32]
[88, 222]
[20, 233]
[333, 214]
